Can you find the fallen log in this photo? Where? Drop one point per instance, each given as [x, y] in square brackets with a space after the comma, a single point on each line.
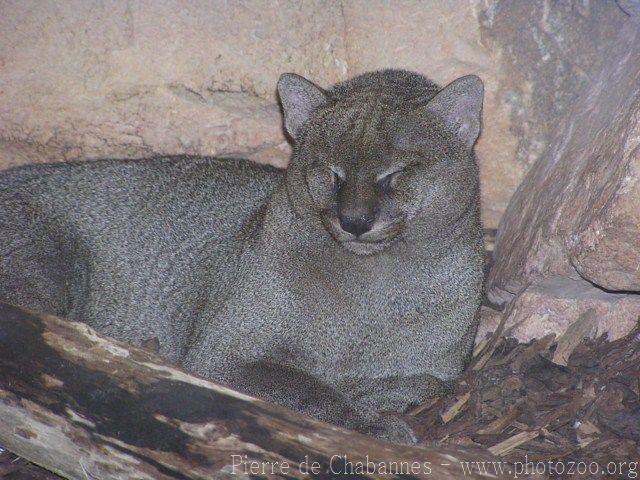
[88, 407]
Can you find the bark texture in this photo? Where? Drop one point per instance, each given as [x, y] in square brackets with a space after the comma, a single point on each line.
[85, 406]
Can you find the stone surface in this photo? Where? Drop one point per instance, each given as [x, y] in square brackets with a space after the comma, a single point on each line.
[87, 79]
[554, 303]
[577, 212]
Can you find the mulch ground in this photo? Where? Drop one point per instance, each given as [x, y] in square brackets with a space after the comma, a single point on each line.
[574, 404]
[567, 404]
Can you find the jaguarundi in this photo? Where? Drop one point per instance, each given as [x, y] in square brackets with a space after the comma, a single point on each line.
[345, 285]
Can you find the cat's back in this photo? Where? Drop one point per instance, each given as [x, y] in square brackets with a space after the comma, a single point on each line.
[114, 237]
[89, 197]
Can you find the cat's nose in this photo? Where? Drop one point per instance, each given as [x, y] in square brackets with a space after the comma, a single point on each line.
[356, 224]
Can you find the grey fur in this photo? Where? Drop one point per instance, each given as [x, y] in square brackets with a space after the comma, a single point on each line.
[243, 272]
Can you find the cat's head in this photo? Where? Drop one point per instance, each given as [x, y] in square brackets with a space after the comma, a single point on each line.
[382, 155]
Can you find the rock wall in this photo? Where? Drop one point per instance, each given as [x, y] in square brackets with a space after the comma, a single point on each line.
[570, 239]
[87, 79]
[92, 78]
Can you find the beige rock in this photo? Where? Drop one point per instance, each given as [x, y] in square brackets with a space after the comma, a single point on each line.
[555, 303]
[606, 250]
[89, 78]
[577, 211]
[86, 79]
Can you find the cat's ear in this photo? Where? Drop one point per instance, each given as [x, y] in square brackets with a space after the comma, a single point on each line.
[299, 98]
[459, 105]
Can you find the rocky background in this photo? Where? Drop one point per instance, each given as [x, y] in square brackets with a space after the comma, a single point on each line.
[84, 79]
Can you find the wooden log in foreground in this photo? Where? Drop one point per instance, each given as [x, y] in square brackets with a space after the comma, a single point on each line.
[88, 407]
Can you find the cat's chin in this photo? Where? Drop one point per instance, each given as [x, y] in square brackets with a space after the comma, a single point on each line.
[364, 248]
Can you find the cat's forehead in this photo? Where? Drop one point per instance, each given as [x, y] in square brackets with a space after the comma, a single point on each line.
[355, 129]
[356, 155]
[353, 148]
[361, 137]
[363, 116]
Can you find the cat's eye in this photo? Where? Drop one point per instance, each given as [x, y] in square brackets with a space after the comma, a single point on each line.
[385, 181]
[338, 180]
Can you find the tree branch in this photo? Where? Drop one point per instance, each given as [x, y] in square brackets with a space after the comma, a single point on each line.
[88, 407]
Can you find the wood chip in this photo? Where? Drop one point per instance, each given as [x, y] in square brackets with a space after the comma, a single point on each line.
[499, 423]
[585, 410]
[586, 433]
[582, 328]
[452, 411]
[480, 346]
[510, 443]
